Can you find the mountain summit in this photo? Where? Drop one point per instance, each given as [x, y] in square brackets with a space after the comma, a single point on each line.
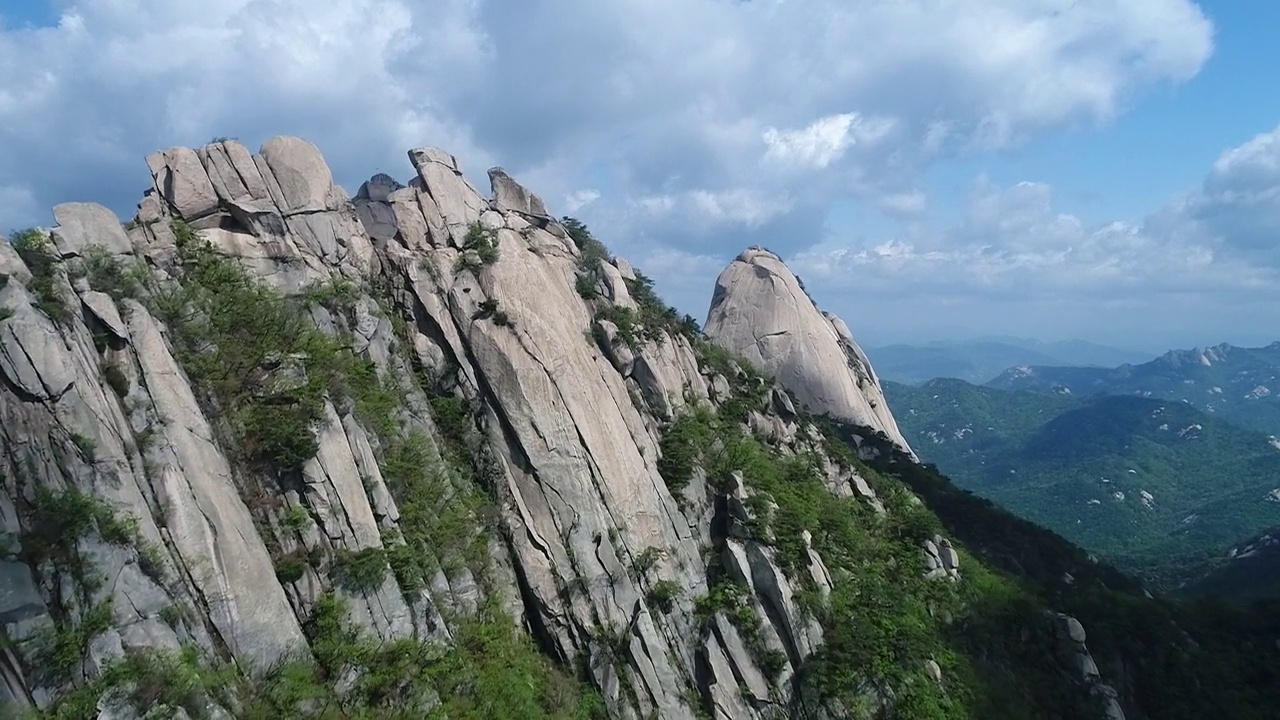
[760, 311]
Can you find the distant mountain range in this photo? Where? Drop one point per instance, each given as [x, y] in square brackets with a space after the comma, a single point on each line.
[1155, 485]
[982, 359]
[1233, 383]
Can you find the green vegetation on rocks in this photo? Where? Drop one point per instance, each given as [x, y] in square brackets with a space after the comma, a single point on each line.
[884, 619]
[479, 248]
[257, 359]
[650, 320]
[41, 258]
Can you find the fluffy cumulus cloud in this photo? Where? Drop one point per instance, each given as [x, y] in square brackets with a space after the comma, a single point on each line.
[1202, 262]
[1238, 207]
[824, 140]
[697, 125]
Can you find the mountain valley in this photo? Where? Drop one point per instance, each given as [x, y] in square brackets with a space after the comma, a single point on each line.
[1156, 486]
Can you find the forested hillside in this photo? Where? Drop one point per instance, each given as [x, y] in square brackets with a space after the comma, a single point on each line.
[1155, 486]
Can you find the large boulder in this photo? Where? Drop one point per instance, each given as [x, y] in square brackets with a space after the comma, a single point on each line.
[83, 224]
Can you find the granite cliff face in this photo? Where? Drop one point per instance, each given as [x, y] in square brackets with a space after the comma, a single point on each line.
[232, 553]
[761, 312]
[270, 451]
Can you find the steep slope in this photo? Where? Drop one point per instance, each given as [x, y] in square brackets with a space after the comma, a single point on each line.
[1237, 384]
[760, 311]
[1157, 487]
[289, 435]
[1248, 571]
[272, 452]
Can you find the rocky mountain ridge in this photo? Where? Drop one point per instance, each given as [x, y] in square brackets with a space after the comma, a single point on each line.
[269, 451]
[981, 359]
[1236, 383]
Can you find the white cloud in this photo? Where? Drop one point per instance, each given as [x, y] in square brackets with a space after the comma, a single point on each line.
[1239, 203]
[580, 198]
[659, 134]
[638, 82]
[1204, 268]
[903, 204]
[1013, 242]
[824, 140]
[739, 206]
[656, 204]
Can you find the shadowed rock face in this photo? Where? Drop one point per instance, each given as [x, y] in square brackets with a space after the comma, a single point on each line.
[760, 311]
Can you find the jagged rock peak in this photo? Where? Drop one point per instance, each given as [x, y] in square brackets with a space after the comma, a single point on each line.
[760, 311]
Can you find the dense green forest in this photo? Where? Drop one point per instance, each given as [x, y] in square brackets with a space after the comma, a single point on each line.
[1158, 487]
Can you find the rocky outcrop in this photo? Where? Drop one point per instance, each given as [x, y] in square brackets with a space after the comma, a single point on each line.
[490, 430]
[479, 305]
[760, 311]
[941, 559]
[1069, 636]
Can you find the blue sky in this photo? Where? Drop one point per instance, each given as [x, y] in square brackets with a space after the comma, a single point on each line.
[1044, 168]
[1163, 144]
[29, 13]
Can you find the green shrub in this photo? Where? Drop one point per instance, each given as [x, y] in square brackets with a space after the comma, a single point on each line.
[58, 651]
[491, 671]
[651, 319]
[407, 569]
[452, 418]
[591, 255]
[591, 251]
[654, 313]
[625, 319]
[40, 257]
[663, 595]
[106, 274]
[151, 560]
[335, 295]
[176, 614]
[722, 596]
[360, 571]
[680, 449]
[252, 354]
[290, 568]
[585, 284]
[158, 683]
[116, 378]
[86, 445]
[646, 560]
[489, 309]
[440, 519]
[6, 312]
[297, 519]
[56, 522]
[479, 248]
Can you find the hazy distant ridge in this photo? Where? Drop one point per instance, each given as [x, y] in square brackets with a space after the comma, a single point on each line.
[982, 359]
